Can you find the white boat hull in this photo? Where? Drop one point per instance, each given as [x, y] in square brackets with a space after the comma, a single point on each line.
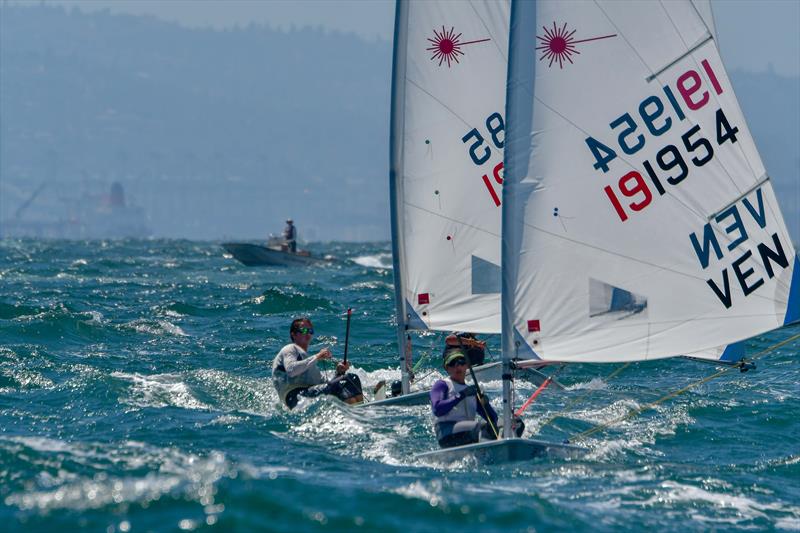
[503, 451]
[487, 372]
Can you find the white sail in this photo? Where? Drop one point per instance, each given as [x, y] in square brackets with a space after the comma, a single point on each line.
[447, 157]
[639, 220]
[703, 8]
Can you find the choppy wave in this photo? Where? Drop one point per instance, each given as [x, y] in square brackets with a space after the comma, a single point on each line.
[160, 390]
[277, 300]
[136, 394]
[382, 260]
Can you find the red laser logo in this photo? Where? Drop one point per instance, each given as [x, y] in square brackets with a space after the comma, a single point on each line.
[558, 44]
[447, 46]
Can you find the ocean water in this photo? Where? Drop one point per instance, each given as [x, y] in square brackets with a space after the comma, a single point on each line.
[135, 395]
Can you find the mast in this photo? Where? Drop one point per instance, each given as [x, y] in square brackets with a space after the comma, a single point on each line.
[395, 184]
[519, 116]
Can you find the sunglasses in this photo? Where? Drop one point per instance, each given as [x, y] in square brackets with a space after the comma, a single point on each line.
[457, 362]
[305, 331]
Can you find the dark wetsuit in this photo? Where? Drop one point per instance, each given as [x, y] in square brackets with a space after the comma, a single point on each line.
[289, 235]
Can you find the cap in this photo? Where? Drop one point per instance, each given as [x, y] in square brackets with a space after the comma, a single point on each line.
[289, 220]
[452, 356]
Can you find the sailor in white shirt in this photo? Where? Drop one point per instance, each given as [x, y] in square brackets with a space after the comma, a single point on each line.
[295, 372]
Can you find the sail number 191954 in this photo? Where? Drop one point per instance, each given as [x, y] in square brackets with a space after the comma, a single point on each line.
[670, 166]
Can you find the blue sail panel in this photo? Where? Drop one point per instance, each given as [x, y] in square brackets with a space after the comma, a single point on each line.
[523, 349]
[413, 320]
[793, 308]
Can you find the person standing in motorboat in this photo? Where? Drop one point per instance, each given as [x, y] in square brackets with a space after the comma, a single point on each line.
[455, 406]
[295, 372]
[290, 236]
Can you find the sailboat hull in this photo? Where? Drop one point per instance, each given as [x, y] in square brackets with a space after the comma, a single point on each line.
[487, 372]
[503, 451]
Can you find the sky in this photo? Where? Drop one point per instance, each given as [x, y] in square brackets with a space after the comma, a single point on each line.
[753, 35]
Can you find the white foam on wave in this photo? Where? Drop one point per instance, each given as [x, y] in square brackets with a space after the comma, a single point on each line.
[171, 473]
[430, 492]
[638, 431]
[95, 317]
[381, 260]
[790, 524]
[158, 328]
[237, 393]
[592, 384]
[25, 379]
[739, 507]
[159, 390]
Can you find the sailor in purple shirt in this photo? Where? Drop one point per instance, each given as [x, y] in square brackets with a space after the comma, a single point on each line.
[455, 406]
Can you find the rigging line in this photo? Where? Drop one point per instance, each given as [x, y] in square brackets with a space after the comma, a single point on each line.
[425, 376]
[690, 386]
[494, 41]
[479, 392]
[441, 103]
[425, 356]
[621, 34]
[419, 363]
[582, 397]
[451, 219]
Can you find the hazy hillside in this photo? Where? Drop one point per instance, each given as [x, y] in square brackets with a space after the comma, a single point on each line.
[215, 133]
[225, 133]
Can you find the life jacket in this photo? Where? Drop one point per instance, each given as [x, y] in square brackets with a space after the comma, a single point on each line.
[466, 409]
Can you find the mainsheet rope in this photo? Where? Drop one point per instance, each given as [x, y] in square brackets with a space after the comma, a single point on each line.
[582, 397]
[634, 412]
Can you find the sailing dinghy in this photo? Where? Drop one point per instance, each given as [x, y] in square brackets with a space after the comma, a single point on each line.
[449, 77]
[638, 220]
